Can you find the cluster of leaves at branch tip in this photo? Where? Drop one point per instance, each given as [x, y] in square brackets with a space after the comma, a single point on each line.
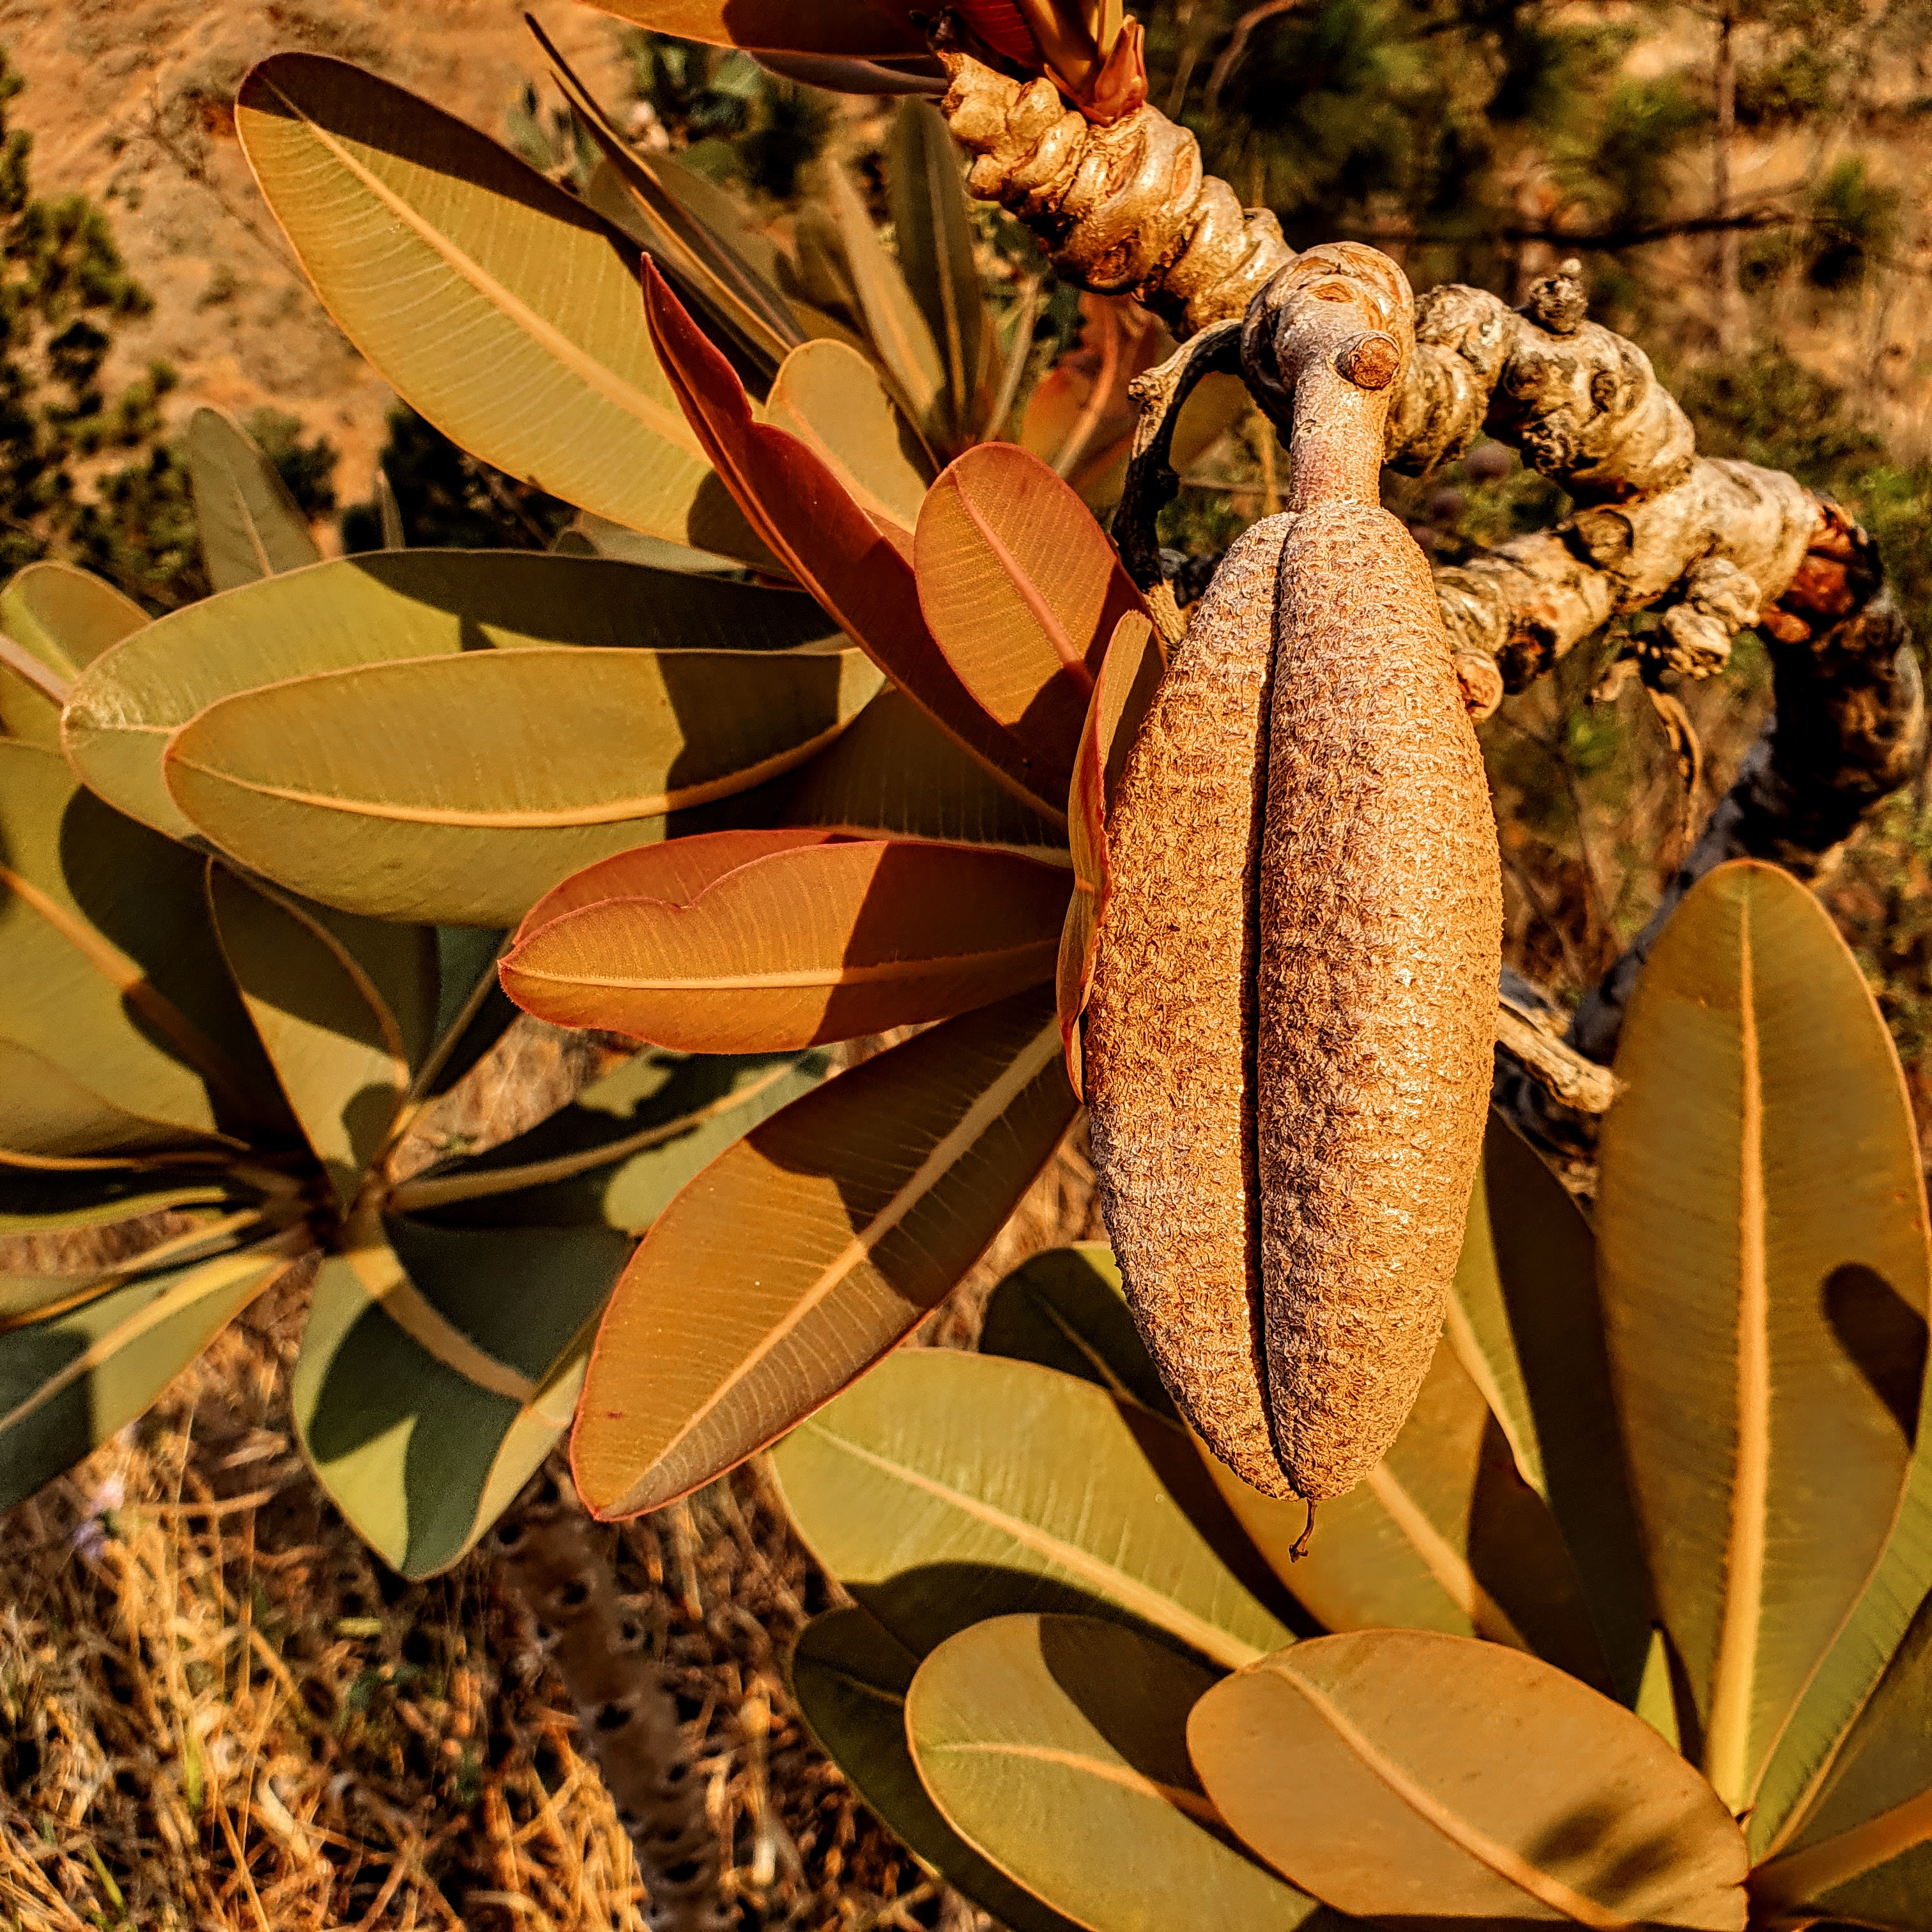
[262, 823]
[810, 726]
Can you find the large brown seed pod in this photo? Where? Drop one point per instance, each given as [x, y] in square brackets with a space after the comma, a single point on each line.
[1169, 1042]
[1289, 1038]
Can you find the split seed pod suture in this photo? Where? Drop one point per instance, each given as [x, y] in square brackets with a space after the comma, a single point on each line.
[1289, 1038]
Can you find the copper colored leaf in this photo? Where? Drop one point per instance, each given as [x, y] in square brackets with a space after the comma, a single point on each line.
[1081, 418]
[1129, 677]
[1405, 1776]
[500, 307]
[811, 1248]
[794, 947]
[1022, 1724]
[1022, 591]
[1761, 1242]
[798, 506]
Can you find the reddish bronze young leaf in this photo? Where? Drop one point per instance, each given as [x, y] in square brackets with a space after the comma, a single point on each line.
[676, 871]
[803, 943]
[1128, 678]
[1021, 589]
[796, 502]
[864, 28]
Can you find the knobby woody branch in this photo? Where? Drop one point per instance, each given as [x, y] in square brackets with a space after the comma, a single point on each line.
[1712, 547]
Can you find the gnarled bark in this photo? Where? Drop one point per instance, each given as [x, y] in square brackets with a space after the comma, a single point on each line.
[1713, 547]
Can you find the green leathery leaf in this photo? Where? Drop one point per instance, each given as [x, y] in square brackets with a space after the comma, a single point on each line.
[649, 199]
[1413, 1778]
[1526, 1320]
[1862, 1851]
[945, 1487]
[249, 525]
[620, 1151]
[1874, 1640]
[346, 1007]
[597, 536]
[850, 1676]
[1021, 1724]
[893, 772]
[538, 360]
[1762, 1253]
[385, 608]
[110, 973]
[471, 1008]
[1443, 1534]
[809, 1248]
[68, 1383]
[41, 1204]
[1066, 1310]
[239, 1219]
[50, 1119]
[61, 619]
[439, 1368]
[460, 790]
[900, 336]
[933, 230]
[830, 396]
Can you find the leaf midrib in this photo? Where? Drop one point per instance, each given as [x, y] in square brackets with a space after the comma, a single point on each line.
[597, 376]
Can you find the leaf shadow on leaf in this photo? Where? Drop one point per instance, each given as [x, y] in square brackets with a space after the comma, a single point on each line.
[1883, 1336]
[397, 1386]
[1149, 1731]
[1508, 1519]
[1553, 1294]
[690, 686]
[64, 1430]
[367, 1117]
[100, 851]
[1568, 1840]
[1013, 1327]
[692, 1084]
[925, 1604]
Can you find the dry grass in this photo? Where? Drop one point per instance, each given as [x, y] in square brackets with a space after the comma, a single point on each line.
[217, 1711]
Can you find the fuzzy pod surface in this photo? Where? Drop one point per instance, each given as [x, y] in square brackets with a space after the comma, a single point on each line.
[1170, 1021]
[1379, 913]
[1290, 1034]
